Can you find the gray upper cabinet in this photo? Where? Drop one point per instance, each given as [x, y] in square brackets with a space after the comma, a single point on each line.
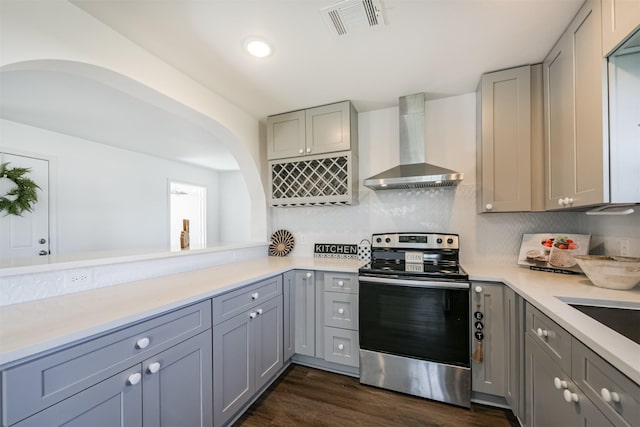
[619, 19]
[286, 135]
[324, 129]
[510, 141]
[574, 78]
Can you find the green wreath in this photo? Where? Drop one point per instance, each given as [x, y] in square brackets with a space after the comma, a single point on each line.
[17, 192]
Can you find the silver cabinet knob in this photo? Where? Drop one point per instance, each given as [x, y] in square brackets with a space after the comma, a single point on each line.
[259, 311]
[478, 289]
[300, 151]
[253, 315]
[561, 202]
[308, 275]
[341, 311]
[153, 368]
[255, 295]
[340, 283]
[340, 346]
[42, 241]
[488, 206]
[308, 150]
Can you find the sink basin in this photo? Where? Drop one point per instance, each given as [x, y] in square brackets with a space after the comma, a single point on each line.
[622, 317]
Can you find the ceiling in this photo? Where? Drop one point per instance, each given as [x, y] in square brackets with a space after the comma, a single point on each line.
[440, 47]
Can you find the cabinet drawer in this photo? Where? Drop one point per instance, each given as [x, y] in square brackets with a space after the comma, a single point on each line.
[229, 305]
[341, 282]
[599, 381]
[35, 385]
[341, 346]
[341, 310]
[551, 337]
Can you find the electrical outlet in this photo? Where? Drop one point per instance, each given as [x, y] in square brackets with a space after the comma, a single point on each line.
[623, 244]
[77, 277]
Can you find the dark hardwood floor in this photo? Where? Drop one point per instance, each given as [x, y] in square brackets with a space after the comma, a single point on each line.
[310, 397]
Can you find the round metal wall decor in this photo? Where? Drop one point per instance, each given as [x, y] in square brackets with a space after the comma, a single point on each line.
[282, 242]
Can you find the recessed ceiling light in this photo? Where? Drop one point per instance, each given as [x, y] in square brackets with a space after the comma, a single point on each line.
[257, 47]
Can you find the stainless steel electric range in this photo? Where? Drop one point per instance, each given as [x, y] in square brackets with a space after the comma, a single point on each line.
[414, 317]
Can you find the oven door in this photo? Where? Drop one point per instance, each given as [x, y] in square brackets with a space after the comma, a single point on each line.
[425, 320]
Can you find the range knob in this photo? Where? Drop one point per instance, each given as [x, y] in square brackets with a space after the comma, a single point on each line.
[439, 241]
[378, 240]
[450, 241]
[387, 240]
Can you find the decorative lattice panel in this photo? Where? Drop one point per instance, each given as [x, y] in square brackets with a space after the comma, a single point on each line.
[311, 181]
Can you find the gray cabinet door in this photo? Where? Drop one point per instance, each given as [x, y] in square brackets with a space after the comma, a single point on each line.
[545, 404]
[286, 135]
[233, 364]
[514, 337]
[267, 331]
[305, 313]
[177, 385]
[574, 82]
[289, 314]
[504, 154]
[488, 375]
[112, 402]
[328, 128]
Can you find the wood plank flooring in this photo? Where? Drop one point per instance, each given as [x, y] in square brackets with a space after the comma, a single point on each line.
[309, 397]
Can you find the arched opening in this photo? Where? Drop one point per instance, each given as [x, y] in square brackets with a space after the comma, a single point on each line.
[114, 144]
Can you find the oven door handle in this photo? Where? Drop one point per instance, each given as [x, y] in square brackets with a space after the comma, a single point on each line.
[416, 283]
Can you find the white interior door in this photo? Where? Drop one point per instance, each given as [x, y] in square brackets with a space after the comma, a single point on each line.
[27, 235]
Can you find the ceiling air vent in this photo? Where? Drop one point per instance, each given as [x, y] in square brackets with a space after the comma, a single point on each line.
[350, 16]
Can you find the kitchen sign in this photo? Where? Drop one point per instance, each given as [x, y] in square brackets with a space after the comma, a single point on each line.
[335, 250]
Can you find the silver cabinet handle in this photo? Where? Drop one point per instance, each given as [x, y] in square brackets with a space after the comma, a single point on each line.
[308, 275]
[341, 311]
[253, 315]
[259, 311]
[255, 295]
[153, 368]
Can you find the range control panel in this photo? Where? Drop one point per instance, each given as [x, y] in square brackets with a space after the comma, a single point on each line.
[415, 240]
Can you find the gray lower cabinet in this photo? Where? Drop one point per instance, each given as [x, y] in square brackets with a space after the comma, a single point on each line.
[112, 402]
[108, 369]
[564, 379]
[176, 385]
[289, 314]
[488, 375]
[248, 353]
[514, 351]
[305, 313]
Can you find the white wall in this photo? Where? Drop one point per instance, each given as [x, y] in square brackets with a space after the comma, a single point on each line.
[234, 208]
[106, 198]
[450, 142]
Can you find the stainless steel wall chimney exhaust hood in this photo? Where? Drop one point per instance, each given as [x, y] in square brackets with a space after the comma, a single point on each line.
[413, 172]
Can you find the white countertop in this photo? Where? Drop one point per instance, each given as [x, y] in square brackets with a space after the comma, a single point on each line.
[32, 327]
